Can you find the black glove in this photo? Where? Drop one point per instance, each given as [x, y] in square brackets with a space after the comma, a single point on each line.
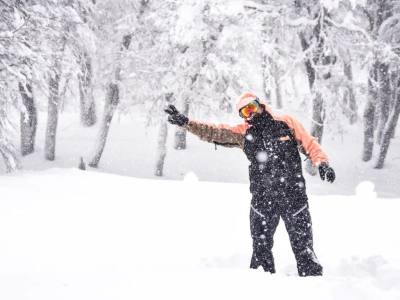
[326, 171]
[175, 117]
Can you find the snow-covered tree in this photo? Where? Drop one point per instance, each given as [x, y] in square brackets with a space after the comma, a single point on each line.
[389, 83]
[22, 67]
[122, 25]
[198, 55]
[84, 51]
[66, 19]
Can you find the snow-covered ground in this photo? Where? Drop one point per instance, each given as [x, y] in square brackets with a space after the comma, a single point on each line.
[71, 234]
[119, 232]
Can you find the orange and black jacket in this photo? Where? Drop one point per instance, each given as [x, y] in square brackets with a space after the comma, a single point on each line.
[271, 144]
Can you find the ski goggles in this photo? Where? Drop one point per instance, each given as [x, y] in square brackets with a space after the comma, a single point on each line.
[250, 109]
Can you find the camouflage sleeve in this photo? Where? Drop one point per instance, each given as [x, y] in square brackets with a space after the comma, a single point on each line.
[223, 135]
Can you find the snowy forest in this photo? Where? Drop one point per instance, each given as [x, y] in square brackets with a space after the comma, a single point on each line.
[102, 198]
[338, 60]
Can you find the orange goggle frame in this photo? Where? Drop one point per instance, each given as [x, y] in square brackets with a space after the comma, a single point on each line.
[251, 108]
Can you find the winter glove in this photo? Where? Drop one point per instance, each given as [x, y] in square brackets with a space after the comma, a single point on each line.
[175, 117]
[326, 171]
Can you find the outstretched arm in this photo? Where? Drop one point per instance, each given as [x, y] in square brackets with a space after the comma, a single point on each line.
[223, 135]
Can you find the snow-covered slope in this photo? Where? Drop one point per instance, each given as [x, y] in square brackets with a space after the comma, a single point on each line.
[69, 234]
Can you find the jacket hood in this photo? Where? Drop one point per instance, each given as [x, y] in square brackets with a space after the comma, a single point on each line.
[247, 97]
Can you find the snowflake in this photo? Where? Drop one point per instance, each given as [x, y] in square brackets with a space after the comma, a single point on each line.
[249, 137]
[261, 156]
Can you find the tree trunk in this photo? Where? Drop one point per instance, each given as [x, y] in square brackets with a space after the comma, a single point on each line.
[317, 127]
[8, 152]
[294, 86]
[266, 80]
[384, 99]
[349, 98]
[369, 114]
[111, 103]
[161, 149]
[180, 133]
[311, 80]
[28, 120]
[388, 132]
[395, 93]
[266, 68]
[87, 104]
[276, 77]
[162, 140]
[394, 78]
[10, 158]
[52, 116]
[54, 102]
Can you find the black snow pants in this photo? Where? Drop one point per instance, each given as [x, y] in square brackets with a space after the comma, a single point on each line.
[265, 214]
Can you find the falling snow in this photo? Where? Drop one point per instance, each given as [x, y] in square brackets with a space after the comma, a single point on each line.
[249, 137]
[262, 156]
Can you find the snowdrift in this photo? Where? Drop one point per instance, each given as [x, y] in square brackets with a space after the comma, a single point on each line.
[69, 234]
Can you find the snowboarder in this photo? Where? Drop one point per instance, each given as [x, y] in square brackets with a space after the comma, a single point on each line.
[272, 144]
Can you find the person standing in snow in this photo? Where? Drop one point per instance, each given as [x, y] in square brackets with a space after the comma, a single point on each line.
[272, 144]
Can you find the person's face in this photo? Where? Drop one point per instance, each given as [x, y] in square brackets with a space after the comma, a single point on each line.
[249, 111]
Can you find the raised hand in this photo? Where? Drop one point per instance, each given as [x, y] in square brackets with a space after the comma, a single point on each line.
[175, 117]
